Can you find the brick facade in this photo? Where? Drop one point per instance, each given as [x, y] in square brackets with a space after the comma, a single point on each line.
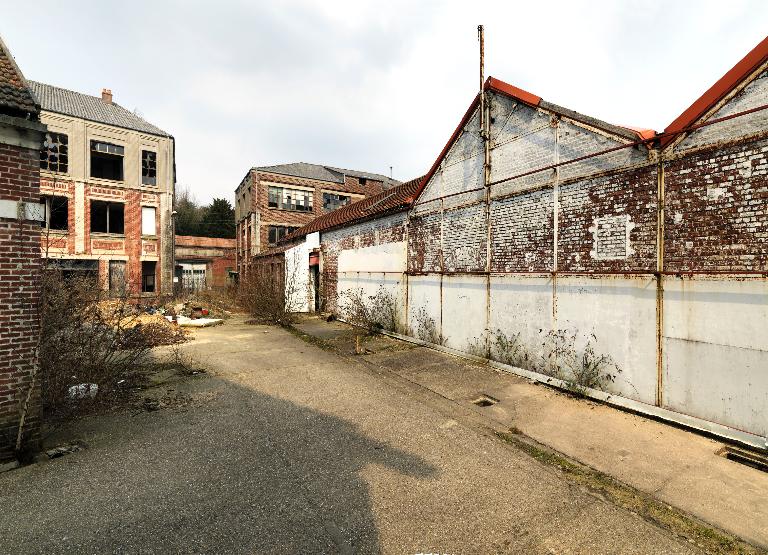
[19, 297]
[255, 216]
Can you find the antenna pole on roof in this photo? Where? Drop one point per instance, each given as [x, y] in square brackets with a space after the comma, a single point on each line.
[390, 172]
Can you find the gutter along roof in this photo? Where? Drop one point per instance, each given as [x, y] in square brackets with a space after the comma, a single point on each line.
[498, 86]
[717, 92]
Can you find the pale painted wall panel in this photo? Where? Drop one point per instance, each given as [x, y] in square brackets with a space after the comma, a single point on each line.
[621, 313]
[715, 351]
[464, 311]
[387, 257]
[423, 303]
[521, 304]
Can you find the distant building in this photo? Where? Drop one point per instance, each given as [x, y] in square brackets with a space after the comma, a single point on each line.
[107, 180]
[272, 201]
[204, 262]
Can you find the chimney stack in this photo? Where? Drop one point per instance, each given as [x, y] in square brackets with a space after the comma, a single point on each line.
[106, 95]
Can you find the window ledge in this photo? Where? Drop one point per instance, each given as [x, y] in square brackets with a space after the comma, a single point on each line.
[149, 237]
[58, 232]
[105, 235]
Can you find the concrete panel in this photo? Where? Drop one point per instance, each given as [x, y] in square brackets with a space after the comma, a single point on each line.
[521, 304]
[715, 350]
[424, 304]
[621, 314]
[297, 282]
[464, 312]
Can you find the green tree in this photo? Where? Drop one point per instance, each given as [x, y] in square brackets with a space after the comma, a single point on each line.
[218, 219]
[188, 213]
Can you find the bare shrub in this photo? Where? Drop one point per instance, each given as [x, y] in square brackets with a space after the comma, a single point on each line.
[372, 313]
[426, 328]
[262, 295]
[84, 340]
[509, 350]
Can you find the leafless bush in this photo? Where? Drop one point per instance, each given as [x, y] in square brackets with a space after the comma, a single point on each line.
[372, 313]
[426, 329]
[268, 294]
[509, 350]
[85, 340]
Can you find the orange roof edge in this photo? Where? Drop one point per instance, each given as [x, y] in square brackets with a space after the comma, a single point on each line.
[641, 131]
[500, 86]
[749, 63]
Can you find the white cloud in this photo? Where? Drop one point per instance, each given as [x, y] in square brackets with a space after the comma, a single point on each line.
[367, 85]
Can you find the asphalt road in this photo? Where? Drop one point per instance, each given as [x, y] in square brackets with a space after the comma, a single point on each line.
[286, 448]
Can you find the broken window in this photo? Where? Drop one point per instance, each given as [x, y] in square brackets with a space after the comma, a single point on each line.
[332, 201]
[54, 156]
[56, 213]
[277, 232]
[107, 160]
[107, 217]
[148, 167]
[290, 199]
[148, 276]
[148, 220]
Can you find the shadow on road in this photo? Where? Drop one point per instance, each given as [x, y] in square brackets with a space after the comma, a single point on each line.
[246, 472]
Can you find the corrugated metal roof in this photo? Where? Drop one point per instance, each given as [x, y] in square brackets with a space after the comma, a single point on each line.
[396, 198]
[92, 108]
[320, 172]
[15, 97]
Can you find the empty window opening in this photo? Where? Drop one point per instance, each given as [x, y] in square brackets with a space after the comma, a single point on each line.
[332, 201]
[485, 401]
[290, 199]
[107, 217]
[148, 277]
[363, 181]
[107, 161]
[148, 167]
[54, 156]
[277, 232]
[742, 456]
[56, 213]
[148, 226]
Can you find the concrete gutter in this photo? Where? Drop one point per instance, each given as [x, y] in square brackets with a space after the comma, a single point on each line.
[690, 422]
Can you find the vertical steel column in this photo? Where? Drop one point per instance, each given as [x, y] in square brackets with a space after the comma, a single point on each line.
[660, 196]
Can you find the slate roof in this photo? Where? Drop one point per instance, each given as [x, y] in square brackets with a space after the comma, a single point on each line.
[324, 173]
[391, 200]
[15, 96]
[91, 108]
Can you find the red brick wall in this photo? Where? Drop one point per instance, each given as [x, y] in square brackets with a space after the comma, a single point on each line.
[716, 215]
[19, 295]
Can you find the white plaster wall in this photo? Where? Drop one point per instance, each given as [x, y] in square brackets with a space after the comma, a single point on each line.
[621, 313]
[521, 304]
[464, 311]
[423, 292]
[297, 282]
[716, 350]
[386, 257]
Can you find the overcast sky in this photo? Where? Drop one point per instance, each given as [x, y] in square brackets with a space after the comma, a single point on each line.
[369, 85]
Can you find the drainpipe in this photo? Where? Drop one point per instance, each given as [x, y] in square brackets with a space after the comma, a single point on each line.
[660, 281]
[485, 136]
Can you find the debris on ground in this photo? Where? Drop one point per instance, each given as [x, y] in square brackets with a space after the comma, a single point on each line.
[65, 449]
[83, 391]
[198, 322]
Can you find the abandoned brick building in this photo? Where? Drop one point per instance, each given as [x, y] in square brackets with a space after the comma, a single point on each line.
[273, 201]
[21, 134]
[629, 263]
[107, 179]
[204, 262]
